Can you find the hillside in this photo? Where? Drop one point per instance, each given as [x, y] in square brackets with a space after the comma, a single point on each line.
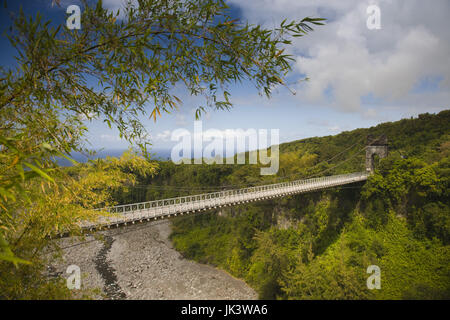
[319, 245]
[426, 138]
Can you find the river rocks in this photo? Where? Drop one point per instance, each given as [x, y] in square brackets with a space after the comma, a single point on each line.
[139, 262]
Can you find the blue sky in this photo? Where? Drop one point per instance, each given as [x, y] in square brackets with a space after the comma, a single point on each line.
[358, 77]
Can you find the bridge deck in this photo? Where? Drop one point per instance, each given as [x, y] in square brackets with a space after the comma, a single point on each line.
[130, 213]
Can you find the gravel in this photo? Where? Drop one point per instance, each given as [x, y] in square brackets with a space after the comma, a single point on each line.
[139, 262]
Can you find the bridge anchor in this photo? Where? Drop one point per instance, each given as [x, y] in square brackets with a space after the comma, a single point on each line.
[375, 147]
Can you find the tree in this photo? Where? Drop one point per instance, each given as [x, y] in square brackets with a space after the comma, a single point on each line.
[120, 68]
[55, 209]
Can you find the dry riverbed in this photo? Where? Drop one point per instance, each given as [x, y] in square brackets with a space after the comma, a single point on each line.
[139, 262]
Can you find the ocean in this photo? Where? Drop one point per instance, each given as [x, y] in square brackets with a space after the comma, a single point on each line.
[156, 154]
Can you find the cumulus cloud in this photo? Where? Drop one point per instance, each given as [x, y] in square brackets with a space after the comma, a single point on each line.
[163, 136]
[353, 72]
[119, 5]
[110, 138]
[347, 62]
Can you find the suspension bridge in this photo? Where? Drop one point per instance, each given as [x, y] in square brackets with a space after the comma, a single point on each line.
[165, 208]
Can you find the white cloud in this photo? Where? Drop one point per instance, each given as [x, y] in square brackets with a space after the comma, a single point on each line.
[110, 138]
[347, 62]
[353, 72]
[115, 5]
[163, 136]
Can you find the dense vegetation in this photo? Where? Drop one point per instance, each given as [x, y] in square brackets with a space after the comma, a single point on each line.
[119, 68]
[319, 245]
[52, 209]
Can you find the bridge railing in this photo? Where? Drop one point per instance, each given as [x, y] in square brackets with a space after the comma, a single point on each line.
[223, 197]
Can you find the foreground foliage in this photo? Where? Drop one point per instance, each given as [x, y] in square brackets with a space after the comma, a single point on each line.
[52, 209]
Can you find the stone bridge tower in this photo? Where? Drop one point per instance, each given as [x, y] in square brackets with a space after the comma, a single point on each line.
[375, 146]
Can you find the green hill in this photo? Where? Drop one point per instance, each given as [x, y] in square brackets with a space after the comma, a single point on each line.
[319, 245]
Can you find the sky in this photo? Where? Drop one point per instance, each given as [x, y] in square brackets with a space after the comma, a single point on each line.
[358, 77]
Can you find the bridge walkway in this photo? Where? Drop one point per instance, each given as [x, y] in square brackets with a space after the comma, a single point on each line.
[158, 209]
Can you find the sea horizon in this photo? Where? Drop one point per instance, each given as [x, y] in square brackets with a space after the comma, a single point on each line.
[155, 154]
